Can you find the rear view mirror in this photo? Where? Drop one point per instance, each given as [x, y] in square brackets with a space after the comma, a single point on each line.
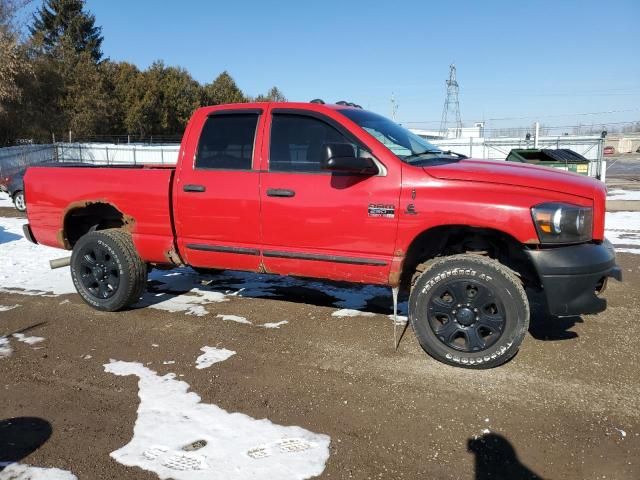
[341, 157]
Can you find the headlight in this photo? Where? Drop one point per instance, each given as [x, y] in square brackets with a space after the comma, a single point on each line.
[563, 223]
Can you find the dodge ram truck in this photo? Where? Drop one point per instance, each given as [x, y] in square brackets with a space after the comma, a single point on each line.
[337, 192]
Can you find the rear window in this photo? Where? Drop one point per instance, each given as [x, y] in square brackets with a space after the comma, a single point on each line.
[226, 142]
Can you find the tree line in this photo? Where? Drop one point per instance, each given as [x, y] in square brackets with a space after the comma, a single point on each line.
[55, 79]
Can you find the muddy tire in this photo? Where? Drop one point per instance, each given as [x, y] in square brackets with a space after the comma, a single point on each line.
[469, 311]
[107, 270]
[19, 201]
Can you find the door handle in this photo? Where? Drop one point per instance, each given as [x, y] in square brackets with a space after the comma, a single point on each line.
[280, 192]
[194, 188]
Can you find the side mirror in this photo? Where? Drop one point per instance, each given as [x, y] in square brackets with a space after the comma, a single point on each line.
[341, 157]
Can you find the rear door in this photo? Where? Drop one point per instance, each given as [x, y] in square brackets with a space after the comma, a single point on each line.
[317, 223]
[217, 199]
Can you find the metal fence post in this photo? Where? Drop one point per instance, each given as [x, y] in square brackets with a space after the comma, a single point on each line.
[106, 148]
[161, 156]
[134, 154]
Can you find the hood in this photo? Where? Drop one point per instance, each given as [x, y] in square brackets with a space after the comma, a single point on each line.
[516, 174]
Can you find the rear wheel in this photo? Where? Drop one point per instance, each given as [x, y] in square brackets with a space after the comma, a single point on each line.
[469, 311]
[107, 270]
[19, 201]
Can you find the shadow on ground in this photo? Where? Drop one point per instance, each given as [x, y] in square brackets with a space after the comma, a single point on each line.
[20, 437]
[496, 459]
[6, 237]
[166, 284]
[547, 327]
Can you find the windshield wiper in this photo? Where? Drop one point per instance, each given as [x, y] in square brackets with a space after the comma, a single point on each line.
[449, 152]
[440, 154]
[426, 152]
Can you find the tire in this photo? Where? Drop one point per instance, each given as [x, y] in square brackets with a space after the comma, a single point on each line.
[19, 201]
[469, 311]
[107, 271]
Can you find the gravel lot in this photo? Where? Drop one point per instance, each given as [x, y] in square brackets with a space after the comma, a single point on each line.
[567, 406]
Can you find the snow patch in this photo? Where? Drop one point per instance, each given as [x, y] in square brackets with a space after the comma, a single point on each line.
[212, 355]
[176, 436]
[274, 324]
[6, 308]
[5, 347]
[400, 319]
[190, 303]
[349, 312]
[234, 318]
[5, 200]
[623, 230]
[623, 195]
[28, 340]
[17, 471]
[622, 433]
[24, 267]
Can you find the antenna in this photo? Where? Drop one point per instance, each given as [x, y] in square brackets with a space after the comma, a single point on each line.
[451, 104]
[394, 106]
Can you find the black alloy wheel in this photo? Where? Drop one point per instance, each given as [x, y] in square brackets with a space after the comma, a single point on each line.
[99, 271]
[466, 315]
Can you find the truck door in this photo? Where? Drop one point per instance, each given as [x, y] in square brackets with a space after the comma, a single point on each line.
[317, 223]
[216, 192]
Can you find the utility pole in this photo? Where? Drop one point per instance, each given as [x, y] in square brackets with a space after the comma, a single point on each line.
[451, 105]
[394, 107]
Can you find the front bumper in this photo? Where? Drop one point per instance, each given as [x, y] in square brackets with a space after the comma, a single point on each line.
[573, 276]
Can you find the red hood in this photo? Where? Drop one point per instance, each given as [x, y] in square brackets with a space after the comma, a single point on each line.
[517, 174]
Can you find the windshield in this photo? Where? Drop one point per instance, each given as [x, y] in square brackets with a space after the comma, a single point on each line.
[408, 146]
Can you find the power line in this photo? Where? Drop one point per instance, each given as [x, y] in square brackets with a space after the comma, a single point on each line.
[540, 116]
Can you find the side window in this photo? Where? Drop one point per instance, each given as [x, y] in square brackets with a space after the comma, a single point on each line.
[226, 142]
[297, 142]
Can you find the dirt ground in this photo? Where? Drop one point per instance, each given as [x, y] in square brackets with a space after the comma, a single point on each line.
[566, 407]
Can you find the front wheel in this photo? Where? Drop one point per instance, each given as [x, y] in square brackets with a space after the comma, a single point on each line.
[19, 201]
[107, 270]
[469, 311]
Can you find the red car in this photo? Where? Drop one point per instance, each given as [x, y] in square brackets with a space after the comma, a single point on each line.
[337, 192]
[609, 150]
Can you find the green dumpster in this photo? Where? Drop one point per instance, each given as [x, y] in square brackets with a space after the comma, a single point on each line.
[562, 158]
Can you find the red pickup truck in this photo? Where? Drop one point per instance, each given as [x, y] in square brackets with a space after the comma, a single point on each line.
[337, 192]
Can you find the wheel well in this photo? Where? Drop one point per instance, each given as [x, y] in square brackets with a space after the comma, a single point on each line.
[92, 216]
[455, 239]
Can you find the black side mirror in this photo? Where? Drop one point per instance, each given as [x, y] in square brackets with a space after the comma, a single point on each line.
[341, 157]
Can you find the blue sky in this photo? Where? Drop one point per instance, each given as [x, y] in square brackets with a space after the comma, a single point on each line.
[516, 60]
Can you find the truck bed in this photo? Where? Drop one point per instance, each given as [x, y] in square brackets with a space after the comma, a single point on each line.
[141, 192]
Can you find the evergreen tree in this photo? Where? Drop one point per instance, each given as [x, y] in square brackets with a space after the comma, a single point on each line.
[223, 90]
[62, 26]
[273, 95]
[85, 101]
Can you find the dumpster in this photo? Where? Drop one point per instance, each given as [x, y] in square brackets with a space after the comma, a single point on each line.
[562, 158]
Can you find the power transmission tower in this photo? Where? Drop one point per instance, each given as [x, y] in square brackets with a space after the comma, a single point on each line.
[451, 104]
